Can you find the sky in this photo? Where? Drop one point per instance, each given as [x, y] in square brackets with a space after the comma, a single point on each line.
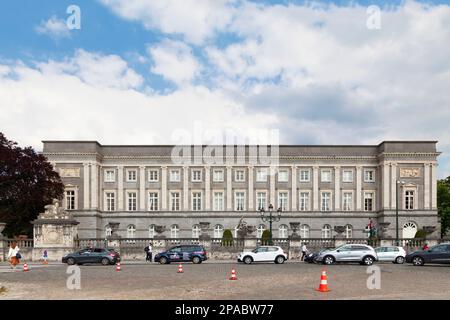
[192, 71]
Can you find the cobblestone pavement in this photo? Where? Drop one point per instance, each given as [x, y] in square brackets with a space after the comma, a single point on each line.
[292, 280]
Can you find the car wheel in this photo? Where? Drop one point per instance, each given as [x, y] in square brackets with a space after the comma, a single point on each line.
[400, 260]
[105, 261]
[328, 260]
[248, 260]
[368, 261]
[163, 260]
[418, 261]
[71, 261]
[279, 260]
[196, 260]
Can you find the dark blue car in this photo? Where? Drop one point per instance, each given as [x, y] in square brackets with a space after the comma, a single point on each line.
[182, 253]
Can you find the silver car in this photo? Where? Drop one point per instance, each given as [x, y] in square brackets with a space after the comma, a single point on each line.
[361, 253]
[391, 253]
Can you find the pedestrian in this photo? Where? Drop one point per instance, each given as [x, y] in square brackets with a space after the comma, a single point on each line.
[14, 255]
[148, 251]
[304, 251]
[425, 247]
[45, 257]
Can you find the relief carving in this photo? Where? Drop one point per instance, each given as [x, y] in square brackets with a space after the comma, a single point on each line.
[69, 172]
[409, 172]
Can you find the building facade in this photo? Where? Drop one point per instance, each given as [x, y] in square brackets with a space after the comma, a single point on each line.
[317, 188]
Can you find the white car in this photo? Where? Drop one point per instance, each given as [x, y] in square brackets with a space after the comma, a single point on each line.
[263, 254]
[391, 253]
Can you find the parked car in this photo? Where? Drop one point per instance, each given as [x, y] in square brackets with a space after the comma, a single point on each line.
[361, 253]
[182, 253]
[311, 256]
[92, 255]
[437, 254]
[263, 254]
[391, 253]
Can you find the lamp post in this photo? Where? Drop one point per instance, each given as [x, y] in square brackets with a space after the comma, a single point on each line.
[270, 218]
[398, 182]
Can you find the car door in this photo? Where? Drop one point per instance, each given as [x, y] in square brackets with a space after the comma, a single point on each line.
[186, 253]
[271, 254]
[343, 253]
[84, 256]
[382, 253]
[97, 255]
[260, 254]
[436, 254]
[446, 255]
[175, 254]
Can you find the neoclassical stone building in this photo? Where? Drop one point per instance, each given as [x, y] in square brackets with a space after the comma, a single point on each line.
[317, 187]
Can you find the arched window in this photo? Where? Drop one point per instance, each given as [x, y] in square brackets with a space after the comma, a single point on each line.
[348, 231]
[131, 231]
[409, 230]
[218, 231]
[196, 231]
[174, 231]
[260, 230]
[304, 231]
[283, 231]
[108, 231]
[326, 231]
[151, 231]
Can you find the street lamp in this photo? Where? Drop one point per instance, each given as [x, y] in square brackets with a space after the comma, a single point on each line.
[397, 240]
[270, 218]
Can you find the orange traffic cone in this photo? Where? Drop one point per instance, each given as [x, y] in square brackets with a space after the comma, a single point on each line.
[180, 268]
[233, 275]
[323, 287]
[118, 268]
[25, 267]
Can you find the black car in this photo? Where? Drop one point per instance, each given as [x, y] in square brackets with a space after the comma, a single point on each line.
[311, 256]
[182, 253]
[437, 254]
[92, 255]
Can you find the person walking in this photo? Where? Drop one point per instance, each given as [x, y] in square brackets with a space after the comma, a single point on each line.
[425, 247]
[148, 251]
[304, 251]
[14, 255]
[45, 257]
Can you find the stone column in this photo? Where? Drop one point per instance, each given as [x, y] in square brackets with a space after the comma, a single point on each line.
[294, 206]
[316, 196]
[86, 169]
[142, 188]
[393, 184]
[250, 189]
[386, 186]
[358, 187]
[426, 186]
[433, 186]
[94, 185]
[272, 198]
[120, 202]
[207, 188]
[229, 189]
[164, 188]
[337, 188]
[185, 188]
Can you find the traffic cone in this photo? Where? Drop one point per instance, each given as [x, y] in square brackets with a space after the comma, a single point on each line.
[180, 268]
[233, 275]
[118, 268]
[323, 287]
[25, 267]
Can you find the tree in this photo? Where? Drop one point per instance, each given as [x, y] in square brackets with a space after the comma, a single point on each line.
[227, 238]
[443, 204]
[27, 183]
[265, 237]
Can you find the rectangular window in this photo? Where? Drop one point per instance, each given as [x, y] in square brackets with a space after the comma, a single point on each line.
[131, 175]
[304, 201]
[305, 175]
[196, 175]
[283, 201]
[70, 200]
[174, 175]
[326, 200]
[261, 175]
[175, 201]
[110, 175]
[196, 201]
[132, 201]
[347, 203]
[409, 200]
[283, 175]
[239, 201]
[325, 175]
[368, 201]
[369, 175]
[153, 175]
[347, 176]
[239, 175]
[218, 175]
[110, 201]
[153, 201]
[218, 201]
[261, 200]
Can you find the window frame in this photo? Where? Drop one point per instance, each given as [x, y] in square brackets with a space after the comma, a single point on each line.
[222, 175]
[106, 206]
[322, 171]
[373, 175]
[239, 173]
[127, 173]
[150, 171]
[352, 176]
[308, 204]
[330, 203]
[128, 192]
[193, 171]
[284, 170]
[106, 175]
[300, 175]
[151, 206]
[171, 171]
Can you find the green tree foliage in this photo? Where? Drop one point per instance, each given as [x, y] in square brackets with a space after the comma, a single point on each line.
[420, 234]
[265, 238]
[227, 238]
[443, 204]
[27, 184]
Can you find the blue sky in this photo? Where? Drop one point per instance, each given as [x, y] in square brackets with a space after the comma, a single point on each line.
[150, 71]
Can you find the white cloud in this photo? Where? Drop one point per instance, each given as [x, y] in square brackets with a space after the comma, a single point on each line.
[54, 27]
[174, 61]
